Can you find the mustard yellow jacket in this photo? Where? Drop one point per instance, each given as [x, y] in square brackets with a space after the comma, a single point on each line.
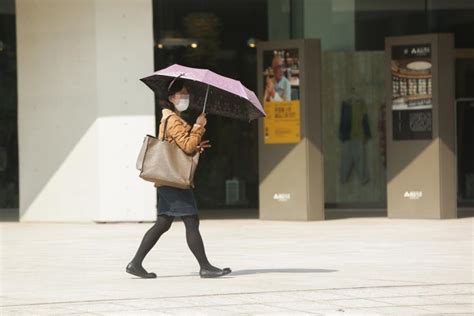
[178, 131]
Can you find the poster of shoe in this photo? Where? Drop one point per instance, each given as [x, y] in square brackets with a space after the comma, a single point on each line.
[412, 99]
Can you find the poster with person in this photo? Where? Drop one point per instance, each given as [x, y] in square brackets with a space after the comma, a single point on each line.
[281, 96]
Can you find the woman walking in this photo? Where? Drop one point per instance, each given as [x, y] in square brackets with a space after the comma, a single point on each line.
[175, 202]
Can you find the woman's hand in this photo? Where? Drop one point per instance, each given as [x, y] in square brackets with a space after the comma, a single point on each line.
[201, 120]
[203, 145]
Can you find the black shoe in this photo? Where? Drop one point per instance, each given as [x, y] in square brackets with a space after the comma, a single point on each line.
[205, 273]
[139, 271]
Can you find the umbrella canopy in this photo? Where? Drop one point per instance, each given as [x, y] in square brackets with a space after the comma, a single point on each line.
[221, 95]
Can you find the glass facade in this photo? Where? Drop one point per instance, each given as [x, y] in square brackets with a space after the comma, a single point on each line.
[353, 36]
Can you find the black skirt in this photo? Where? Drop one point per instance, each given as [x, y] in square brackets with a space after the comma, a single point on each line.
[176, 202]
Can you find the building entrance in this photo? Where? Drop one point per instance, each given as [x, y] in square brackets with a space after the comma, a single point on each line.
[214, 35]
[465, 151]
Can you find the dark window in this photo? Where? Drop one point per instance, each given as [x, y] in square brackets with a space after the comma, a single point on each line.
[8, 113]
[222, 31]
[394, 18]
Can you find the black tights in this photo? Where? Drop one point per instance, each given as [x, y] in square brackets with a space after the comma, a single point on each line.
[162, 225]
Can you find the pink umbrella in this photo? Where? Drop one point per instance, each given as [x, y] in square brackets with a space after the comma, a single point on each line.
[210, 92]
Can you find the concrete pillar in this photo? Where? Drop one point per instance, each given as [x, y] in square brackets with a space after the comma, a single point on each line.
[82, 111]
[291, 173]
[421, 174]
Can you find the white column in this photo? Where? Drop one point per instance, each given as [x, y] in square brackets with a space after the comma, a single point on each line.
[82, 111]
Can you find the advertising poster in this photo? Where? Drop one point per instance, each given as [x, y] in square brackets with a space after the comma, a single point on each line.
[281, 96]
[412, 92]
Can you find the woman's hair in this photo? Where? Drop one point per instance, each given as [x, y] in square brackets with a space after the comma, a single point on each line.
[174, 85]
[167, 104]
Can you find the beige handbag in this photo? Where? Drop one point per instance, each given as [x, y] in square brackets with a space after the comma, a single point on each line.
[165, 163]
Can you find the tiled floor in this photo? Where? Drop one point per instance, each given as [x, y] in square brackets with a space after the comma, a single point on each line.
[364, 266]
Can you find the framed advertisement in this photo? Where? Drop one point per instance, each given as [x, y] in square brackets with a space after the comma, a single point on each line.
[412, 97]
[281, 96]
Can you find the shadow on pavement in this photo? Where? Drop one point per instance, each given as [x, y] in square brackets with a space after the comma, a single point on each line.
[259, 271]
[246, 272]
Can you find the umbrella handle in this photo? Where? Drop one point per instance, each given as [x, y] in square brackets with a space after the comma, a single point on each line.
[169, 86]
[205, 100]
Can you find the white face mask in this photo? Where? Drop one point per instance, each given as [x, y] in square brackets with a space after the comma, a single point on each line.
[183, 103]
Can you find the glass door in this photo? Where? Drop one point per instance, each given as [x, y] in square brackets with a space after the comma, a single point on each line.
[464, 126]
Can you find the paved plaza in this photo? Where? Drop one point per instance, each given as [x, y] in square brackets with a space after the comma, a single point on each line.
[353, 266]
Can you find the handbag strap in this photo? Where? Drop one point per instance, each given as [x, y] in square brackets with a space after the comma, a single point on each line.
[164, 128]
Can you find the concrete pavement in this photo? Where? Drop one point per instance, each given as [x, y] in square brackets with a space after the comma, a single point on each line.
[357, 266]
